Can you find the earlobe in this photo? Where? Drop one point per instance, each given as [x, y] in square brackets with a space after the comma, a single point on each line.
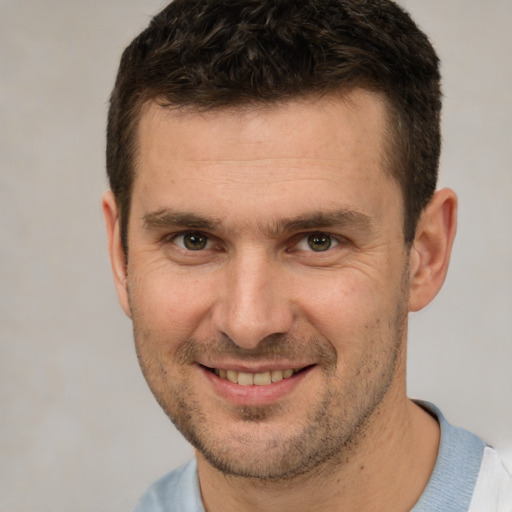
[115, 248]
[431, 250]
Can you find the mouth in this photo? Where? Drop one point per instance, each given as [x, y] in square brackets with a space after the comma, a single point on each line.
[264, 378]
[262, 386]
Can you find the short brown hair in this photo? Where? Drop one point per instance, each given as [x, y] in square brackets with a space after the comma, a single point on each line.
[213, 54]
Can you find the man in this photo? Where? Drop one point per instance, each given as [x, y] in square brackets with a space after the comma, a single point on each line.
[273, 218]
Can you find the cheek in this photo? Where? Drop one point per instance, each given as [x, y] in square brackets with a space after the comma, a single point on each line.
[169, 306]
[356, 312]
[341, 300]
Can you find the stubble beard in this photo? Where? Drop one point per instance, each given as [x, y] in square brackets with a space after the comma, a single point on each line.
[321, 437]
[330, 431]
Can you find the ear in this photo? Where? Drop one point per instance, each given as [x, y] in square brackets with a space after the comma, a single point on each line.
[115, 248]
[431, 249]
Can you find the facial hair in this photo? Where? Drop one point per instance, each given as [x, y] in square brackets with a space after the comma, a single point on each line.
[331, 426]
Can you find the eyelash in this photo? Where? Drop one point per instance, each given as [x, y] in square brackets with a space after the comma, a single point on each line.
[207, 240]
[301, 239]
[309, 237]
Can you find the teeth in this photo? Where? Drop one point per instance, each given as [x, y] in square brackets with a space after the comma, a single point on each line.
[277, 375]
[256, 379]
[232, 376]
[262, 379]
[245, 379]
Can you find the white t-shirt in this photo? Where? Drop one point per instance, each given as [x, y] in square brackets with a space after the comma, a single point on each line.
[493, 490]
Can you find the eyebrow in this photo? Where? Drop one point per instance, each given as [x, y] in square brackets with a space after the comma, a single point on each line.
[167, 218]
[323, 219]
[161, 219]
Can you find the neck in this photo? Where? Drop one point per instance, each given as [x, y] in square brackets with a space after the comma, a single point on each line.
[386, 471]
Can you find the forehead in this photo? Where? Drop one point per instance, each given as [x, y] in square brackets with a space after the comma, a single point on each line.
[317, 150]
[304, 127]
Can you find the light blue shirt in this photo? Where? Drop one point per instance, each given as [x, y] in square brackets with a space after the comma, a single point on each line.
[450, 488]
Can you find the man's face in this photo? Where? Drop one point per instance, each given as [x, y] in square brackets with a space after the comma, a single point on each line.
[267, 278]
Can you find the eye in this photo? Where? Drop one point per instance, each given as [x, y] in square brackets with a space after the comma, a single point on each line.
[192, 241]
[317, 242]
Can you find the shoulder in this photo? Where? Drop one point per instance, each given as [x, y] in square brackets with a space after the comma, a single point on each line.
[176, 491]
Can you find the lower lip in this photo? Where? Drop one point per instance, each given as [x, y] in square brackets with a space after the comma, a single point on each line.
[254, 395]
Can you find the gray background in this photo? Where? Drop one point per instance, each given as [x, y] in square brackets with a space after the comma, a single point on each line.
[79, 430]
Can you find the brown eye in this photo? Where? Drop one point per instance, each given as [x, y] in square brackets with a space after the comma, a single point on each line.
[193, 241]
[319, 242]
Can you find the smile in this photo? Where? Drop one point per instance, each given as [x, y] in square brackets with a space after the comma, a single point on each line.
[261, 386]
[256, 379]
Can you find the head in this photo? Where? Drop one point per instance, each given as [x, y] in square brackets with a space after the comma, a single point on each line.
[203, 55]
[273, 220]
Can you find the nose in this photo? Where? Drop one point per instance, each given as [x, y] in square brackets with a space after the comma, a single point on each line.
[253, 302]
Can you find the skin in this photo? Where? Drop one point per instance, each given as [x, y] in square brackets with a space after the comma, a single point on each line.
[253, 185]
